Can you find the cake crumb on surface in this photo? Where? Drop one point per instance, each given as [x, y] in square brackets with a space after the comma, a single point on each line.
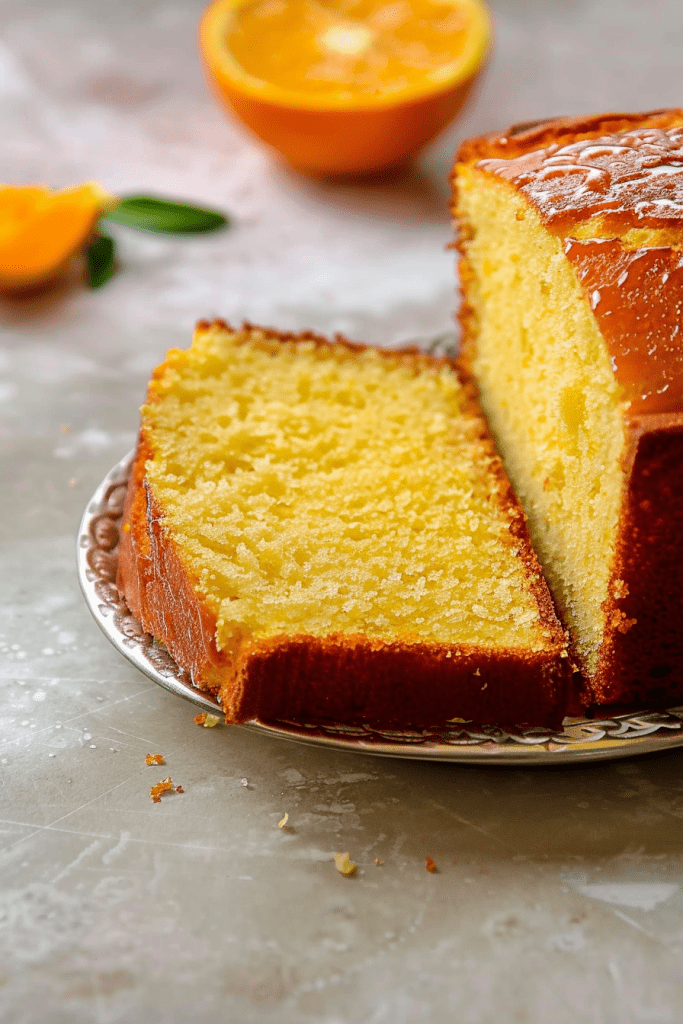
[165, 786]
[283, 822]
[431, 866]
[154, 759]
[208, 721]
[344, 866]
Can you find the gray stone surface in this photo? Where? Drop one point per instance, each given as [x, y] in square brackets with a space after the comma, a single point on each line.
[559, 894]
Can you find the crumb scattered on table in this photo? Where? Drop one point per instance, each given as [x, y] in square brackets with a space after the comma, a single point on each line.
[379, 862]
[281, 824]
[165, 786]
[208, 721]
[430, 865]
[155, 759]
[344, 865]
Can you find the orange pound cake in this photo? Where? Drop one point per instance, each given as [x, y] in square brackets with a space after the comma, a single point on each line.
[323, 531]
[571, 242]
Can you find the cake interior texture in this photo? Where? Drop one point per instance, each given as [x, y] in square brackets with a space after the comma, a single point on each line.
[321, 490]
[550, 396]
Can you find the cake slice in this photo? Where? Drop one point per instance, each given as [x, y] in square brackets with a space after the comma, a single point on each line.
[571, 242]
[323, 531]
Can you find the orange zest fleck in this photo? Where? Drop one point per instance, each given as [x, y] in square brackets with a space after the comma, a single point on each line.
[41, 231]
[348, 86]
[154, 759]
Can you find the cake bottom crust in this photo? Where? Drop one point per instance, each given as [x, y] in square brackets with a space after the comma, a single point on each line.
[355, 680]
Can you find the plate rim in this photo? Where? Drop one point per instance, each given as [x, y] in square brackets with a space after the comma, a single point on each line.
[617, 736]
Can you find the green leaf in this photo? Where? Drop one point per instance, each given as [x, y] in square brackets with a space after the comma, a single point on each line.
[101, 258]
[148, 213]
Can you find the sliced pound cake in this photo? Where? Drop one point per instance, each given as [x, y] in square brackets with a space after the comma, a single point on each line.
[571, 241]
[323, 531]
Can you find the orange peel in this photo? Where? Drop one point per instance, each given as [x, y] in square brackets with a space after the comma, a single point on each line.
[42, 230]
[348, 87]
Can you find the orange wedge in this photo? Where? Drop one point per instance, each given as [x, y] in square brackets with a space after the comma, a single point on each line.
[344, 86]
[41, 230]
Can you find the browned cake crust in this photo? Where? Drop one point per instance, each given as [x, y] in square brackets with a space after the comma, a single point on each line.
[343, 678]
[637, 300]
[642, 654]
[531, 136]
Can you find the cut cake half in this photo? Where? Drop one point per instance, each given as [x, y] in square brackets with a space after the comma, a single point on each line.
[571, 240]
[323, 531]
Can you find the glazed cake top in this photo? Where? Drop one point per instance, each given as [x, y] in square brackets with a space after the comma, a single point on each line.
[636, 174]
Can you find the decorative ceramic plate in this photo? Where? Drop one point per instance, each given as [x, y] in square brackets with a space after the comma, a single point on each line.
[580, 739]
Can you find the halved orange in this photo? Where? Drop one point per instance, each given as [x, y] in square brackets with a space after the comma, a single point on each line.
[344, 86]
[42, 230]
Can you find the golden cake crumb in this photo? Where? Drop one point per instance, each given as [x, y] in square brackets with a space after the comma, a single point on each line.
[154, 759]
[431, 866]
[344, 865]
[165, 786]
[208, 721]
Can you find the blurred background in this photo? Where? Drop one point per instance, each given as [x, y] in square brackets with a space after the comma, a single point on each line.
[115, 92]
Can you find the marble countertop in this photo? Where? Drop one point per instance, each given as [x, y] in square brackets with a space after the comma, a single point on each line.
[559, 892]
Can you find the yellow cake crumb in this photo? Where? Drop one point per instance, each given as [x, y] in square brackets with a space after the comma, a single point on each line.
[326, 490]
[208, 721]
[344, 866]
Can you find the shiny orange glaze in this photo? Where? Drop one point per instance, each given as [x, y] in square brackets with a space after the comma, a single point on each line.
[626, 180]
[637, 299]
[630, 179]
